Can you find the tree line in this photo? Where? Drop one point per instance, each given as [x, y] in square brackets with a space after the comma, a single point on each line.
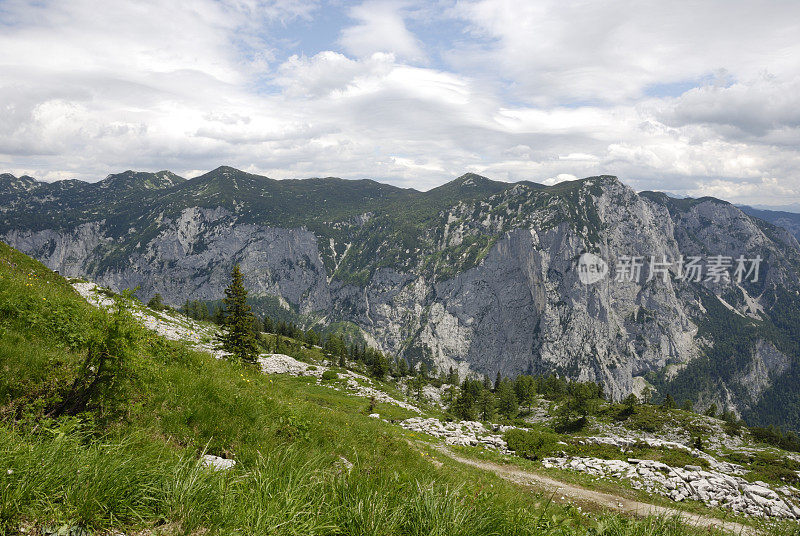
[481, 399]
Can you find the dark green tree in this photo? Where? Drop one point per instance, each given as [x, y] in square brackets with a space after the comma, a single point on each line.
[487, 405]
[668, 402]
[630, 402]
[465, 406]
[487, 383]
[257, 326]
[312, 338]
[219, 316]
[238, 337]
[156, 303]
[525, 389]
[379, 367]
[507, 404]
[711, 411]
[582, 400]
[452, 377]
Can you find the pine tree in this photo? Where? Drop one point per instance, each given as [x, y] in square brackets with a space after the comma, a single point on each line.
[238, 337]
[486, 404]
[156, 302]
[668, 403]
[219, 316]
[525, 389]
[402, 367]
[630, 402]
[507, 403]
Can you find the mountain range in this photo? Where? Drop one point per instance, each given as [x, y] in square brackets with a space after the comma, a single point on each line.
[477, 275]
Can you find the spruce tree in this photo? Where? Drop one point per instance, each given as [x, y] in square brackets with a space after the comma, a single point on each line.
[525, 389]
[238, 337]
[487, 404]
[156, 302]
[507, 403]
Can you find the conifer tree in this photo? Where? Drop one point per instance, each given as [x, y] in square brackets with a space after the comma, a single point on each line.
[238, 337]
[507, 403]
[487, 404]
[525, 389]
[156, 302]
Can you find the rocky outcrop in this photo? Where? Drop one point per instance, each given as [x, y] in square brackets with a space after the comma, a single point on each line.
[714, 488]
[462, 433]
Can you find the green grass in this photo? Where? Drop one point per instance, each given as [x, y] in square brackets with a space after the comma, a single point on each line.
[133, 464]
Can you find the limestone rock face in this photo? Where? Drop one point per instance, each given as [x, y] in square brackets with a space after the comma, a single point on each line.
[490, 285]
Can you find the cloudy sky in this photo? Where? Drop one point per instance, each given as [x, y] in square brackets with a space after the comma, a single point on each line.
[698, 98]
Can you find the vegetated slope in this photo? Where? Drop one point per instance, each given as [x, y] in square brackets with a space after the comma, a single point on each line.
[476, 274]
[117, 446]
[788, 220]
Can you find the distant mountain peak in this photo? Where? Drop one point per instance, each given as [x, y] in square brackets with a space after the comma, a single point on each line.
[226, 170]
[10, 183]
[134, 180]
[471, 180]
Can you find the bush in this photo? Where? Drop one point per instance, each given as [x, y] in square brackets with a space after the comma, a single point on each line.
[648, 419]
[533, 445]
[776, 437]
[329, 375]
[156, 303]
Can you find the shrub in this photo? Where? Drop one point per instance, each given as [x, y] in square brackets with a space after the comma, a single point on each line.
[531, 444]
[775, 436]
[156, 303]
[329, 375]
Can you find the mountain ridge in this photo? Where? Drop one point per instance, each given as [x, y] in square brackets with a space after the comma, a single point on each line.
[476, 274]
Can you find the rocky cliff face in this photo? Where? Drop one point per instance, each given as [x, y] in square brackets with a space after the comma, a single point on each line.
[480, 276]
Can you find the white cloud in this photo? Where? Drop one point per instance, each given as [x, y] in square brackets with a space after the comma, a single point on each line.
[561, 177]
[613, 51]
[543, 91]
[380, 28]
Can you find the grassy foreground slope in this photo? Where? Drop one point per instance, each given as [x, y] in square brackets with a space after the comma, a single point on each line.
[102, 424]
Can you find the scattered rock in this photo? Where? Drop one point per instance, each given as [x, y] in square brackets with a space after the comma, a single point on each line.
[217, 463]
[690, 482]
[463, 433]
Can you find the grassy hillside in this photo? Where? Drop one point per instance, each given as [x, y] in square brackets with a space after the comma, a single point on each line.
[103, 423]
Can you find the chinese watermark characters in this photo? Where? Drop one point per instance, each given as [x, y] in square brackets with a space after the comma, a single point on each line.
[637, 268]
[715, 269]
